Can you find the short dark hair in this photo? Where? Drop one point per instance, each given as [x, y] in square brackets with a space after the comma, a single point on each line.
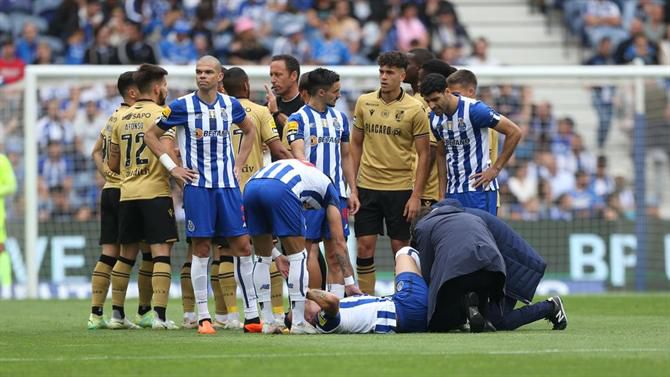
[292, 63]
[393, 59]
[420, 56]
[462, 77]
[233, 82]
[124, 83]
[432, 83]
[321, 78]
[146, 75]
[438, 66]
[303, 82]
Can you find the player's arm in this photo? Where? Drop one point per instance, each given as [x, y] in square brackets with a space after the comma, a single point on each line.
[152, 139]
[278, 151]
[248, 136]
[348, 169]
[295, 136]
[441, 168]
[7, 177]
[422, 145]
[512, 134]
[327, 301]
[96, 154]
[337, 234]
[357, 136]
[114, 159]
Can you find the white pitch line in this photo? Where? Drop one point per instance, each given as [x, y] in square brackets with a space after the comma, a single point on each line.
[319, 354]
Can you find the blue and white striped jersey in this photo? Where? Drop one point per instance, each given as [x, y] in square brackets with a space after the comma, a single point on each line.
[204, 136]
[466, 142]
[322, 134]
[360, 315]
[314, 189]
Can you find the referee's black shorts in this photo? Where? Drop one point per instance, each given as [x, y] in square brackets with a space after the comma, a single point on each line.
[109, 216]
[379, 207]
[149, 220]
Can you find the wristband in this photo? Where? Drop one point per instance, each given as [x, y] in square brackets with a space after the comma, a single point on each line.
[349, 280]
[275, 253]
[167, 162]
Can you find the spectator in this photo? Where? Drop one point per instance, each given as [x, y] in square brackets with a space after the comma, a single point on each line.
[542, 122]
[117, 26]
[578, 158]
[52, 128]
[664, 48]
[613, 210]
[654, 27]
[76, 48]
[86, 125]
[523, 185]
[480, 54]
[603, 183]
[527, 146]
[329, 50]
[641, 48]
[454, 55]
[562, 141]
[636, 28]
[26, 45]
[603, 96]
[625, 196]
[345, 27]
[603, 18]
[585, 203]
[411, 31]
[54, 170]
[560, 180]
[101, 51]
[293, 43]
[90, 18]
[134, 50]
[508, 101]
[11, 67]
[246, 47]
[44, 54]
[178, 48]
[202, 45]
[59, 208]
[66, 20]
[563, 208]
[446, 31]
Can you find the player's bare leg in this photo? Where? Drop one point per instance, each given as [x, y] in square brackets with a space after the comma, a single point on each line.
[365, 263]
[199, 272]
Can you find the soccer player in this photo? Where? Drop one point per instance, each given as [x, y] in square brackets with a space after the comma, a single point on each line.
[274, 199]
[459, 124]
[417, 58]
[390, 130]
[212, 198]
[403, 312]
[236, 84]
[283, 96]
[109, 220]
[320, 134]
[464, 83]
[145, 209]
[7, 187]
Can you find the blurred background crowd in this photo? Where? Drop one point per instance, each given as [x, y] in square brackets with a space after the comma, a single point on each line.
[554, 175]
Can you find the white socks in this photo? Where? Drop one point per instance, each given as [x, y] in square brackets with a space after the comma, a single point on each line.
[244, 268]
[412, 253]
[298, 278]
[262, 284]
[199, 272]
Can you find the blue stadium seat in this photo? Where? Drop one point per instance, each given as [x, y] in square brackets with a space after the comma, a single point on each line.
[46, 8]
[5, 23]
[57, 45]
[19, 19]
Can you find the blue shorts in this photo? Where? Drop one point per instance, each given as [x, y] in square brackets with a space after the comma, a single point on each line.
[213, 212]
[484, 200]
[411, 302]
[272, 208]
[317, 223]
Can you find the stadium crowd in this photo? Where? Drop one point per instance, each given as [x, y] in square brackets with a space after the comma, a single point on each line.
[552, 176]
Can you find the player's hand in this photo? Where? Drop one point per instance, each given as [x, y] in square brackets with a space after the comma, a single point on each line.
[272, 99]
[282, 265]
[352, 290]
[484, 178]
[184, 175]
[412, 208]
[353, 203]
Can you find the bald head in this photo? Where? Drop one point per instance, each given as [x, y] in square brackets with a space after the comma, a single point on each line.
[208, 74]
[210, 60]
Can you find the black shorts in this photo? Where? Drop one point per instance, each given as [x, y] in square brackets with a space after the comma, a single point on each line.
[109, 216]
[149, 220]
[379, 207]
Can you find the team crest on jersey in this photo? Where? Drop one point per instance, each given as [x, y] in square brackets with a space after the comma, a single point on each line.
[190, 226]
[461, 124]
[385, 113]
[336, 125]
[224, 114]
[399, 114]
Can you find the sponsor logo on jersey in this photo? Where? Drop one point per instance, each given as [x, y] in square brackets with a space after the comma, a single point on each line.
[381, 129]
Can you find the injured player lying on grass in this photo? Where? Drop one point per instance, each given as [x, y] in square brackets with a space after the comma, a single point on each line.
[404, 311]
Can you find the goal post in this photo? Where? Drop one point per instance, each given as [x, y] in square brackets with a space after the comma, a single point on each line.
[357, 79]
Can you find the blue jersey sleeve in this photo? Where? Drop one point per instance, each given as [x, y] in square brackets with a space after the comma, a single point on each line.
[327, 323]
[175, 114]
[482, 116]
[295, 128]
[435, 128]
[238, 111]
[345, 129]
[332, 197]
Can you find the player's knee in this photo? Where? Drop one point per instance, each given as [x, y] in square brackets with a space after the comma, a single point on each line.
[365, 250]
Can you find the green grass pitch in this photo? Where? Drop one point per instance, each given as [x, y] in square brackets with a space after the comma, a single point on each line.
[611, 335]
